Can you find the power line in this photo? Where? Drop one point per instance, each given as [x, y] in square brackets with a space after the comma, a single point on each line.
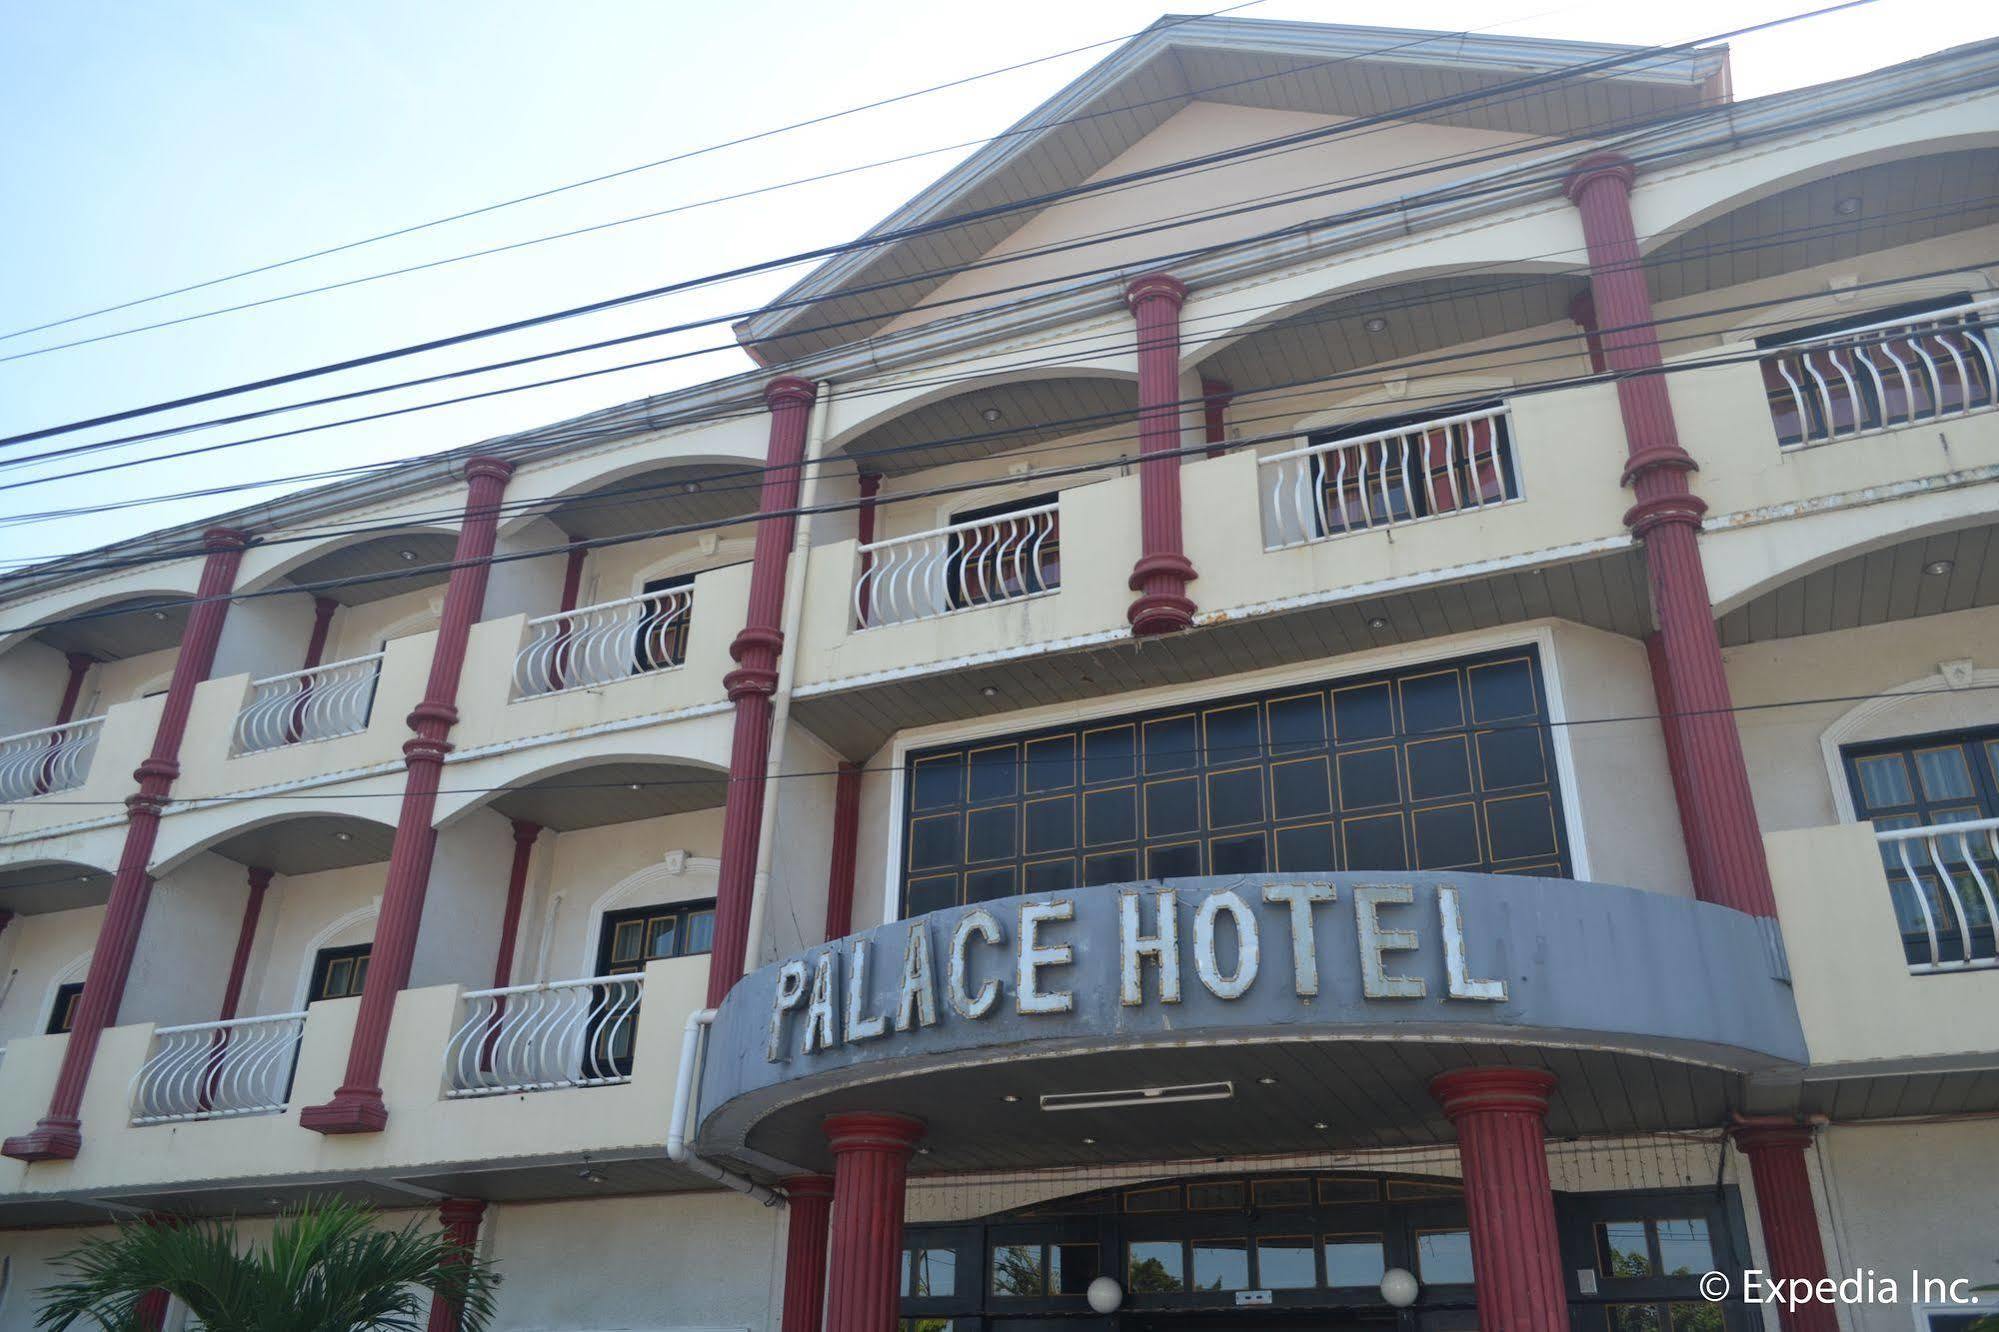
[687, 155]
[882, 238]
[797, 511]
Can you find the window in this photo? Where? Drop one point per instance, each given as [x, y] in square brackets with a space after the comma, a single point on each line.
[1154, 1267]
[1926, 782]
[1821, 385]
[1284, 1262]
[1355, 1260]
[1033, 1270]
[660, 639]
[339, 973]
[633, 938]
[1443, 1257]
[1015, 550]
[1444, 766]
[1221, 1264]
[1670, 1246]
[62, 1013]
[929, 1274]
[1678, 1316]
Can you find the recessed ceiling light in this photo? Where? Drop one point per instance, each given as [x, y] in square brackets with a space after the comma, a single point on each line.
[343, 837]
[159, 615]
[1089, 1142]
[1848, 206]
[1377, 622]
[923, 1151]
[691, 487]
[1319, 1124]
[1266, 1081]
[1938, 568]
[1376, 325]
[991, 415]
[634, 786]
[1010, 1098]
[408, 555]
[990, 691]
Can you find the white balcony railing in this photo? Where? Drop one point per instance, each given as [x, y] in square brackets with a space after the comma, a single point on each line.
[1426, 469]
[1879, 376]
[55, 758]
[318, 703]
[1006, 557]
[574, 1033]
[1943, 880]
[217, 1070]
[595, 645]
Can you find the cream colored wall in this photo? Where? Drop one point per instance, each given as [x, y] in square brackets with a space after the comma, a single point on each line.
[1623, 790]
[186, 944]
[609, 868]
[32, 679]
[1787, 769]
[1197, 129]
[801, 848]
[38, 953]
[129, 678]
[463, 906]
[1908, 1198]
[264, 636]
[302, 914]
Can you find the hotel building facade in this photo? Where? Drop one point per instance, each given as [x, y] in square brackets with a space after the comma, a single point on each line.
[1352, 678]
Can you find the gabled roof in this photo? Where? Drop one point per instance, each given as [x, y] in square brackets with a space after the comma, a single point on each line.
[1325, 69]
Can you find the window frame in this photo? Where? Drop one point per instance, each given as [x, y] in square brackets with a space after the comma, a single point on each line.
[62, 1009]
[682, 912]
[323, 962]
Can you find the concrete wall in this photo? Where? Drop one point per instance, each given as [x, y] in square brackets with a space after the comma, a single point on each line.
[37, 954]
[32, 678]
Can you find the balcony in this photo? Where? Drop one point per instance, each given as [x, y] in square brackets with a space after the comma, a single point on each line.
[605, 643]
[1879, 376]
[1003, 557]
[300, 707]
[55, 758]
[1942, 880]
[218, 1070]
[522, 1038]
[1405, 474]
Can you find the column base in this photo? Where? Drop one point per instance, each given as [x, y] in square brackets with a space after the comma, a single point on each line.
[1160, 614]
[50, 1140]
[347, 1112]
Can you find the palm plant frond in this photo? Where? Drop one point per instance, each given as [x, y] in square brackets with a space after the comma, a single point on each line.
[328, 1266]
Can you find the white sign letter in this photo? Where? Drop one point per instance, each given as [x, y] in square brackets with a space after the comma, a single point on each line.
[1246, 949]
[1301, 898]
[1162, 947]
[858, 1027]
[1028, 996]
[790, 993]
[1377, 982]
[1457, 973]
[917, 1005]
[967, 1004]
[819, 1011]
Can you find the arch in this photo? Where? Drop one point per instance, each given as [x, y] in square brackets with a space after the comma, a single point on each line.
[1806, 544]
[891, 409]
[294, 557]
[190, 835]
[583, 482]
[324, 937]
[665, 881]
[1908, 708]
[520, 772]
[1668, 206]
[140, 597]
[416, 622]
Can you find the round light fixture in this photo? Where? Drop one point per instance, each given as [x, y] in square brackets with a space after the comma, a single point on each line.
[1266, 1081]
[409, 556]
[634, 785]
[1398, 1287]
[1011, 1099]
[1376, 325]
[990, 691]
[1104, 1295]
[343, 837]
[692, 487]
[1319, 1124]
[159, 615]
[1377, 622]
[1848, 206]
[1938, 568]
[1089, 1142]
[991, 415]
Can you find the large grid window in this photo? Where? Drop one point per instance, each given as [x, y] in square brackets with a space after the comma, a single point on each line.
[1442, 766]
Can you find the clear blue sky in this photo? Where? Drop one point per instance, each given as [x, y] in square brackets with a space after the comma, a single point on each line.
[153, 145]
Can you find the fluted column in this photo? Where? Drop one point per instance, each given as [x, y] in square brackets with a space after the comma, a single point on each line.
[72, 689]
[846, 846]
[1776, 1151]
[870, 1164]
[460, 1218]
[1666, 517]
[1500, 1115]
[357, 1105]
[59, 1135]
[246, 938]
[525, 834]
[754, 680]
[809, 1201]
[1215, 399]
[1163, 570]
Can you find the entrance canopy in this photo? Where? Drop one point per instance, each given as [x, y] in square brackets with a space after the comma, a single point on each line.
[1248, 1014]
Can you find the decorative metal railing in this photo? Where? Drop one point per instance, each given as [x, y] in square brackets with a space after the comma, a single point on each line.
[522, 1038]
[1427, 469]
[1880, 376]
[595, 645]
[1006, 557]
[216, 1070]
[55, 758]
[317, 703]
[1943, 880]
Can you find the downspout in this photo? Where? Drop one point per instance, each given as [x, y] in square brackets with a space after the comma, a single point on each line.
[685, 1091]
[787, 667]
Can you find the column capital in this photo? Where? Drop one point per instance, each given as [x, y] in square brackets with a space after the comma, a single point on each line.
[1599, 167]
[221, 540]
[1770, 1133]
[807, 1186]
[876, 1130]
[1213, 389]
[260, 877]
[789, 388]
[1155, 286]
[485, 467]
[1471, 1091]
[525, 832]
[79, 661]
[461, 1211]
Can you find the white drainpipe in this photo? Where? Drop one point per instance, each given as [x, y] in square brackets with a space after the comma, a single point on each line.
[787, 667]
[686, 1095]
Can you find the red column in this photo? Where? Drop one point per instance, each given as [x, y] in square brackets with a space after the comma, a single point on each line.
[315, 652]
[864, 518]
[357, 1106]
[246, 936]
[1215, 399]
[1699, 853]
[754, 680]
[1582, 313]
[870, 1161]
[846, 844]
[517, 885]
[460, 1218]
[1163, 571]
[1776, 1152]
[79, 666]
[1500, 1115]
[59, 1136]
[809, 1201]
[572, 585]
[1666, 517]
